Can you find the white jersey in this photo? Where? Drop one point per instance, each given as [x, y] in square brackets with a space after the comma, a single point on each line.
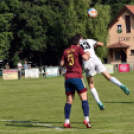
[94, 63]
[88, 45]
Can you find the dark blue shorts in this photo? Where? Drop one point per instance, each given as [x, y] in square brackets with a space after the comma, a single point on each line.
[73, 84]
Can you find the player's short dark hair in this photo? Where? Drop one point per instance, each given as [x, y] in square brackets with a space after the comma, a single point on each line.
[79, 35]
[74, 40]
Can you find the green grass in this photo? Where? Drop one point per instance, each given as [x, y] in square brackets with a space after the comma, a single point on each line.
[36, 106]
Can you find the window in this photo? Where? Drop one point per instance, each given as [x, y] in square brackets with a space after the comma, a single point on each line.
[117, 55]
[132, 52]
[127, 20]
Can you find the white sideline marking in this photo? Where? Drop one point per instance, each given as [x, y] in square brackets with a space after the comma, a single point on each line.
[50, 128]
[71, 130]
[33, 123]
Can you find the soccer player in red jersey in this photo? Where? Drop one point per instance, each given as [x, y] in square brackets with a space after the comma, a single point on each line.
[72, 59]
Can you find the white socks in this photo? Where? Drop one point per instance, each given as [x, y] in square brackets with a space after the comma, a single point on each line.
[94, 91]
[115, 81]
[95, 95]
[86, 118]
[67, 121]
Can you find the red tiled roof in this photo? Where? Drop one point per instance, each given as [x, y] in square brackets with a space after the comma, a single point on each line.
[118, 45]
[129, 8]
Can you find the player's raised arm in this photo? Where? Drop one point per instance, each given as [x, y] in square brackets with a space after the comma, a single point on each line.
[99, 44]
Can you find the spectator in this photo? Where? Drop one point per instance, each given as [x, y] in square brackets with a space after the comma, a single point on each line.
[19, 69]
[42, 72]
[29, 65]
[26, 65]
[7, 67]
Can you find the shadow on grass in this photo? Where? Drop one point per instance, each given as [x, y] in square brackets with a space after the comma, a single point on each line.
[31, 124]
[36, 124]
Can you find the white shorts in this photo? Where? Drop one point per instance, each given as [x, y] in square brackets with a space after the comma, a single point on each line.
[93, 66]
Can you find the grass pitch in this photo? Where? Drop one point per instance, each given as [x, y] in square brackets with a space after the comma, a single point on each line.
[36, 106]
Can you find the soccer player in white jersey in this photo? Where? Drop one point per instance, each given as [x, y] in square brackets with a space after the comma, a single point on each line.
[94, 64]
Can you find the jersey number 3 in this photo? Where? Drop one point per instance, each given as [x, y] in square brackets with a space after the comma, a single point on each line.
[71, 59]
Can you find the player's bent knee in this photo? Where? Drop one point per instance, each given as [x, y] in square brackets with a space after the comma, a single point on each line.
[108, 77]
[69, 102]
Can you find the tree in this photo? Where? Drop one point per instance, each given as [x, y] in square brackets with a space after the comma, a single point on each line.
[67, 19]
[71, 18]
[60, 28]
[97, 28]
[30, 28]
[94, 28]
[6, 16]
[42, 28]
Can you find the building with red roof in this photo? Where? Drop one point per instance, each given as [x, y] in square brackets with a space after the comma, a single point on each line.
[121, 31]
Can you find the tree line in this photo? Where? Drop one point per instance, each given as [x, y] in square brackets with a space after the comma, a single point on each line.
[39, 30]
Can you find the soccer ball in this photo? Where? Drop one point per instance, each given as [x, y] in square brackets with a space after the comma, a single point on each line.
[92, 12]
